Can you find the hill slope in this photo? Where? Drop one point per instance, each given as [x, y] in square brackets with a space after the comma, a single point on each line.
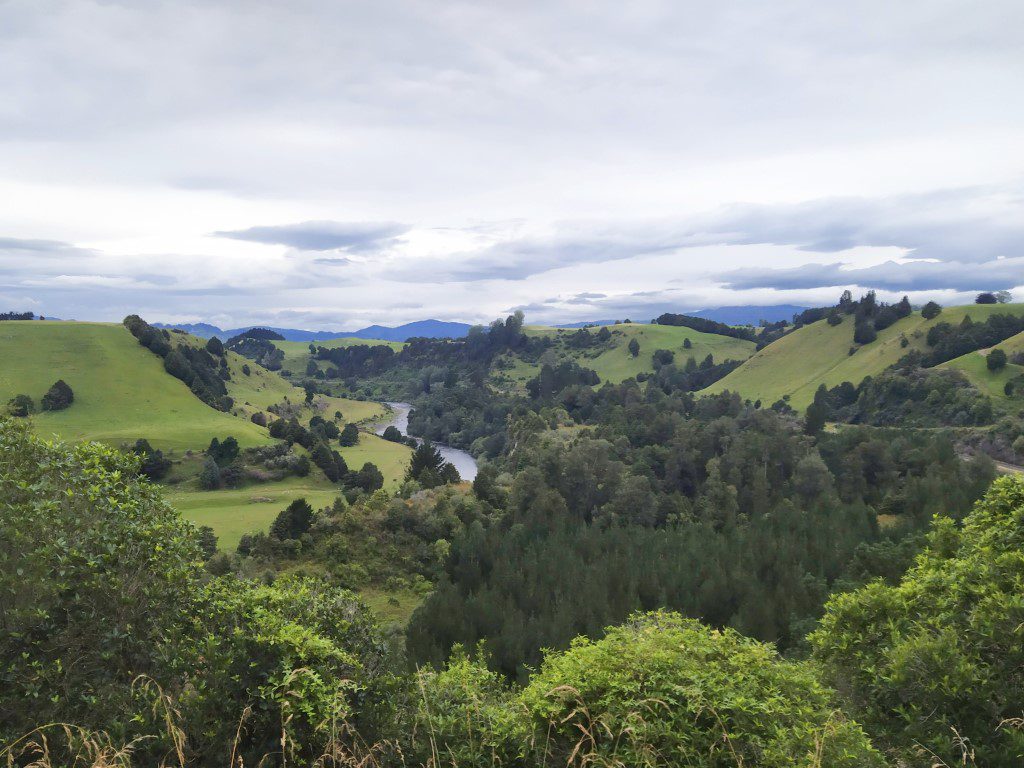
[818, 353]
[613, 362]
[122, 391]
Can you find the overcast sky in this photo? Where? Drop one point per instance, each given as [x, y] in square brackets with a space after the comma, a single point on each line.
[325, 164]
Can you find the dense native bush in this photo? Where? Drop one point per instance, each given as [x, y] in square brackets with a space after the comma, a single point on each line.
[552, 379]
[908, 397]
[102, 582]
[152, 462]
[87, 550]
[707, 326]
[938, 658]
[658, 691]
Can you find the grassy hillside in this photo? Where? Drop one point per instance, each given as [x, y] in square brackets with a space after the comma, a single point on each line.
[296, 353]
[975, 366]
[392, 459]
[613, 363]
[798, 363]
[230, 512]
[121, 389]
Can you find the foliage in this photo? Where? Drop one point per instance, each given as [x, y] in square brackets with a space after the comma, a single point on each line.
[349, 435]
[996, 360]
[293, 521]
[20, 406]
[931, 310]
[634, 347]
[57, 397]
[662, 691]
[986, 298]
[429, 468]
[209, 476]
[938, 657]
[152, 462]
[91, 559]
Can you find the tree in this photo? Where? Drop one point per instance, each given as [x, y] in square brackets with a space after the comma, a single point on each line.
[223, 452]
[604, 335]
[207, 541]
[393, 434]
[246, 369]
[937, 657]
[864, 332]
[349, 435]
[931, 310]
[215, 347]
[58, 397]
[996, 360]
[293, 521]
[20, 406]
[634, 347]
[817, 412]
[986, 298]
[687, 344]
[209, 476]
[1004, 297]
[152, 462]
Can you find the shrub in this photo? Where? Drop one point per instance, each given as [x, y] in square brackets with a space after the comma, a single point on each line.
[20, 406]
[209, 477]
[634, 347]
[938, 657]
[662, 687]
[95, 571]
[58, 397]
[996, 360]
[931, 310]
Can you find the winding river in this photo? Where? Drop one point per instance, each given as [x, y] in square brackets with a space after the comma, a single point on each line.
[399, 418]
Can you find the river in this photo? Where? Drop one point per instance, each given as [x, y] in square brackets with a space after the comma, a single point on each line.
[463, 462]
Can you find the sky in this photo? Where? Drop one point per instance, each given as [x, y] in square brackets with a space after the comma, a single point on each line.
[328, 165]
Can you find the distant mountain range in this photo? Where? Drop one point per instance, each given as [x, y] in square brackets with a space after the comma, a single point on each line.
[432, 329]
[740, 315]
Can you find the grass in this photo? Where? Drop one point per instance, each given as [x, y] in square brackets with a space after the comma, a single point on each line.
[816, 354]
[232, 512]
[296, 353]
[391, 606]
[974, 365]
[121, 389]
[615, 364]
[392, 459]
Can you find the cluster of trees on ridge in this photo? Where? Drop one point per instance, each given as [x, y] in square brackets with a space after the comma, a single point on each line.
[203, 370]
[173, 664]
[58, 397]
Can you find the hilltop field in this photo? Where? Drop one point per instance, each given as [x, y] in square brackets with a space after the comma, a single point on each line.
[612, 361]
[793, 367]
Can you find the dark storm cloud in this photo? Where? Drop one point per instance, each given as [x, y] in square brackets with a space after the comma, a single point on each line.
[891, 276]
[354, 237]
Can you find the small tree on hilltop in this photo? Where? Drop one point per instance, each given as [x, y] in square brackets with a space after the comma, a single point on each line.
[58, 397]
[215, 347]
[931, 310]
[986, 298]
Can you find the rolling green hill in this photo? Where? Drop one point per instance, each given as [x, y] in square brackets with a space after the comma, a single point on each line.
[122, 391]
[613, 362]
[296, 353]
[816, 354]
[974, 365]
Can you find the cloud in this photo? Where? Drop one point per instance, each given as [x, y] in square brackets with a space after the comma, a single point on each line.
[892, 276]
[35, 248]
[353, 237]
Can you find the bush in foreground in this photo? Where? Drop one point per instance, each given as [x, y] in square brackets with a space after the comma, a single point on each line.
[659, 690]
[938, 660]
